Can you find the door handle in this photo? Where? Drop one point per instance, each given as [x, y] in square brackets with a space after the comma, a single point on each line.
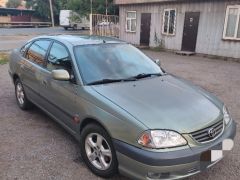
[22, 66]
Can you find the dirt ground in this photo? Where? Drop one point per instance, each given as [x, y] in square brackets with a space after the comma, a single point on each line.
[34, 147]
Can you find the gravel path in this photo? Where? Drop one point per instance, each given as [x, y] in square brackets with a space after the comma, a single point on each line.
[32, 146]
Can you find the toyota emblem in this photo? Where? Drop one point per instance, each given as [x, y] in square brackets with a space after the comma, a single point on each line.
[212, 132]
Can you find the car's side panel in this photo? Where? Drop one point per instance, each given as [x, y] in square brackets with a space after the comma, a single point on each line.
[119, 124]
[29, 75]
[59, 97]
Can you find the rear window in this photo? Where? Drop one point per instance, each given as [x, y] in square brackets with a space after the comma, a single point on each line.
[37, 51]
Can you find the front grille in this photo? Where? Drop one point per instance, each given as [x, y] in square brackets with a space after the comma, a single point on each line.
[204, 135]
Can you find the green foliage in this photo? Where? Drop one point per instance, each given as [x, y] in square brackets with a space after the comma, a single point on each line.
[82, 7]
[13, 3]
[41, 8]
[75, 18]
[3, 58]
[159, 43]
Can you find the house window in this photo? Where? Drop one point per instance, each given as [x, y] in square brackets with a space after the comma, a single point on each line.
[131, 21]
[232, 23]
[169, 22]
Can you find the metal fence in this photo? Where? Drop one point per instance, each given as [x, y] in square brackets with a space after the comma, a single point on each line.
[104, 25]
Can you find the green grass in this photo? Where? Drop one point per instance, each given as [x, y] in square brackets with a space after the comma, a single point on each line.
[3, 58]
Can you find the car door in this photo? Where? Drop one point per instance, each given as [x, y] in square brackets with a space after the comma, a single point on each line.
[33, 62]
[59, 96]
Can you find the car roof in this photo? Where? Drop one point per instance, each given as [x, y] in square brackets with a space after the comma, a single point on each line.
[83, 39]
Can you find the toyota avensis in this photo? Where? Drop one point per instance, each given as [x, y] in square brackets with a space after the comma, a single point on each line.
[127, 113]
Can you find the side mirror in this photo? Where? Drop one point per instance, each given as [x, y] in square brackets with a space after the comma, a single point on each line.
[61, 75]
[158, 62]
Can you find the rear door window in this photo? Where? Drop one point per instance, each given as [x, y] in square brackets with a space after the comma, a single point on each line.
[37, 51]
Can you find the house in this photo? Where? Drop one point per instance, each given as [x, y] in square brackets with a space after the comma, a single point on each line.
[15, 15]
[209, 27]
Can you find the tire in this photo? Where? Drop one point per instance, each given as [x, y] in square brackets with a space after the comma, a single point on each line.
[66, 28]
[21, 97]
[74, 27]
[104, 161]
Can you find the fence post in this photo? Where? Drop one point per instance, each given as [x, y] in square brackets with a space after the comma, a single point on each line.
[91, 24]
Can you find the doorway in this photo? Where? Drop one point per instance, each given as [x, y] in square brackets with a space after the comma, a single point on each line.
[145, 29]
[190, 31]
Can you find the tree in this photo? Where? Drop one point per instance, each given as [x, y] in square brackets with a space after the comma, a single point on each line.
[13, 3]
[41, 8]
[82, 7]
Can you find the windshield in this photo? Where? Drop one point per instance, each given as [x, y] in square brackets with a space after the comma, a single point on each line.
[112, 61]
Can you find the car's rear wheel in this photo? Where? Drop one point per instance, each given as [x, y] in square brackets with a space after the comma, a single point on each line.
[74, 27]
[98, 152]
[21, 97]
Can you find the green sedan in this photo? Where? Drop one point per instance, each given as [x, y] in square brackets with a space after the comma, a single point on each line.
[127, 113]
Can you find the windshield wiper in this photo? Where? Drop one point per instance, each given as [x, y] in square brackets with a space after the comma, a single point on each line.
[143, 75]
[107, 81]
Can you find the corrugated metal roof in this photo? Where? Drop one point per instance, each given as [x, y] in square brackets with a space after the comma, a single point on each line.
[122, 2]
[13, 11]
[141, 1]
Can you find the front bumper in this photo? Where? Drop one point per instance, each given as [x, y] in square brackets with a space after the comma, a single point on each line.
[142, 164]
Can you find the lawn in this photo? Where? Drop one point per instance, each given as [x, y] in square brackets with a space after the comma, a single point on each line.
[3, 58]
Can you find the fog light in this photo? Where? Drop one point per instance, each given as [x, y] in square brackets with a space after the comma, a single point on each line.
[152, 175]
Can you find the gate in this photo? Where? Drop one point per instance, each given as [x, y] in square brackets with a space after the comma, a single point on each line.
[104, 25]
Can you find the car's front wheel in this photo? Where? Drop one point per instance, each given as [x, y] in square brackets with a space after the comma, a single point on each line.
[21, 97]
[98, 152]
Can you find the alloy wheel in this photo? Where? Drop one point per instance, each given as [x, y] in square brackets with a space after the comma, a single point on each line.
[20, 94]
[98, 151]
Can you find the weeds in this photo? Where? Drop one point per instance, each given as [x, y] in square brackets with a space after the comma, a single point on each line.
[3, 58]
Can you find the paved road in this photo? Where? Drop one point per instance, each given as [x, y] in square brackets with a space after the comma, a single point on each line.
[34, 31]
[32, 146]
[11, 38]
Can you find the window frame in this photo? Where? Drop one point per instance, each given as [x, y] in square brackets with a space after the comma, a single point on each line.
[31, 43]
[75, 79]
[130, 19]
[28, 44]
[226, 23]
[175, 22]
[50, 48]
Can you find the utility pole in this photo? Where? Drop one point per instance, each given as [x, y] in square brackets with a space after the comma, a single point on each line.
[91, 20]
[51, 10]
[106, 7]
[91, 6]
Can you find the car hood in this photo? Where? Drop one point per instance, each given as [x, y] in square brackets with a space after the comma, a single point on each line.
[163, 103]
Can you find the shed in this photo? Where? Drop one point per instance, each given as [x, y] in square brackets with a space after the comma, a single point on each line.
[203, 26]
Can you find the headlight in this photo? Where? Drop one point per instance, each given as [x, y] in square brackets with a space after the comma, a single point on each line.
[158, 139]
[226, 115]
